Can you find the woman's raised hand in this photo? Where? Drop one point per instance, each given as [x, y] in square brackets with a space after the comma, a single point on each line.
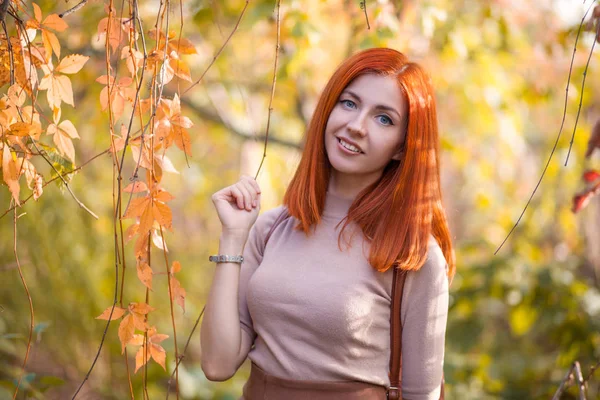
[238, 205]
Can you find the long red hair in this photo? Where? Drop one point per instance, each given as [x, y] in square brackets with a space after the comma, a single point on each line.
[403, 208]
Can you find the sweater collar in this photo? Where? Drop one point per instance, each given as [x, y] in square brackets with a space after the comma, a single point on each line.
[336, 206]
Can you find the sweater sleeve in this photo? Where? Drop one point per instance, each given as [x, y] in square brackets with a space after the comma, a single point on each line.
[253, 255]
[424, 314]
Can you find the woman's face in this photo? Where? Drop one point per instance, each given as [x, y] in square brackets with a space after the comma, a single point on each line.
[366, 129]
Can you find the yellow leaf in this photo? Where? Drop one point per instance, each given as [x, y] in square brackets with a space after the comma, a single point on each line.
[118, 312]
[68, 128]
[64, 144]
[72, 64]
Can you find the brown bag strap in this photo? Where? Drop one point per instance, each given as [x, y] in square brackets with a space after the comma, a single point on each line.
[394, 392]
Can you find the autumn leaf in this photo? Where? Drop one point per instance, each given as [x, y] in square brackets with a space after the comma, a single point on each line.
[139, 358]
[58, 86]
[144, 273]
[63, 135]
[116, 93]
[49, 39]
[138, 312]
[591, 175]
[126, 330]
[171, 126]
[114, 30]
[177, 292]
[10, 173]
[151, 208]
[118, 312]
[136, 187]
[156, 351]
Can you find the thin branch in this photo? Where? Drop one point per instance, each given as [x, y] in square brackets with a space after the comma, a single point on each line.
[557, 137]
[363, 6]
[55, 178]
[182, 355]
[162, 236]
[31, 319]
[73, 9]
[277, 45]
[587, 65]
[220, 50]
[214, 117]
[63, 180]
[574, 374]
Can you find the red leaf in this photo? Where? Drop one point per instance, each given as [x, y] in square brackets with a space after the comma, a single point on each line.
[591, 175]
[580, 201]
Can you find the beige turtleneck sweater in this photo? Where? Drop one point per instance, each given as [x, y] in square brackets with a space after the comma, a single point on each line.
[315, 312]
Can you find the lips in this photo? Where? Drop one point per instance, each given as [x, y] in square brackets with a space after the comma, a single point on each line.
[350, 142]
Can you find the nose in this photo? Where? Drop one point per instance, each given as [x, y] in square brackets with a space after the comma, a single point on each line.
[357, 125]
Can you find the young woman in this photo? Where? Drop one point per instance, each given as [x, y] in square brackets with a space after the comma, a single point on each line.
[313, 302]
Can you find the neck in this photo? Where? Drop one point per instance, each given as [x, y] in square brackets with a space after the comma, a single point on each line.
[348, 186]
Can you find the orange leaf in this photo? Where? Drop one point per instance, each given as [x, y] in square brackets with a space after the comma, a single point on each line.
[10, 174]
[50, 44]
[182, 139]
[139, 358]
[118, 312]
[126, 330]
[137, 207]
[72, 64]
[176, 267]
[158, 354]
[162, 214]
[136, 187]
[53, 21]
[180, 69]
[178, 292]
[144, 273]
[138, 340]
[141, 246]
[130, 232]
[183, 46]
[140, 308]
[139, 321]
[147, 219]
[37, 12]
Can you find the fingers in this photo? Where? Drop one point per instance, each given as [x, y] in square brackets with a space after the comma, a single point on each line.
[245, 193]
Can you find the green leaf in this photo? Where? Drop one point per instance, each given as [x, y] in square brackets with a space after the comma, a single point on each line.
[522, 318]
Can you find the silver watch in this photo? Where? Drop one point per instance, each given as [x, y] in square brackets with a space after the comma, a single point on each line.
[221, 258]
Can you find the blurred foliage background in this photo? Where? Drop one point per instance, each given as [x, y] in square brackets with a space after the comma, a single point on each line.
[517, 319]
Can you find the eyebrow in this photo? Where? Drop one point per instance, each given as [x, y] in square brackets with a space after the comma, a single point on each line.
[378, 106]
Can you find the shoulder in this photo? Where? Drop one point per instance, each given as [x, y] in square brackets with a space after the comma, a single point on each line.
[265, 222]
[434, 270]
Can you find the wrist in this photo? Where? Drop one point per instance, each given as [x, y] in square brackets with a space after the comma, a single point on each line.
[232, 243]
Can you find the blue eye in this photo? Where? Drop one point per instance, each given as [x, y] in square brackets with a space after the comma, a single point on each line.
[348, 103]
[385, 120]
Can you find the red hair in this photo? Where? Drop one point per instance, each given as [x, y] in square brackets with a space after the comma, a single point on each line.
[400, 211]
